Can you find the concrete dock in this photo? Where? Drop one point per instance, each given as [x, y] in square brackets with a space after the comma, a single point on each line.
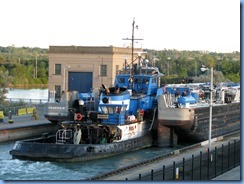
[25, 126]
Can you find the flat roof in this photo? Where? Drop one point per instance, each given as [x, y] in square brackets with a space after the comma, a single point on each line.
[91, 49]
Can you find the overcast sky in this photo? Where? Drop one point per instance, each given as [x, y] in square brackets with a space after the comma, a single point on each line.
[210, 25]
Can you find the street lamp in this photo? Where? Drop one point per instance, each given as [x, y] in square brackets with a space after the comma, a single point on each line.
[168, 58]
[203, 69]
[64, 84]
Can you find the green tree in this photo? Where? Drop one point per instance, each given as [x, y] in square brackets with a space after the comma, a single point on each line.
[5, 79]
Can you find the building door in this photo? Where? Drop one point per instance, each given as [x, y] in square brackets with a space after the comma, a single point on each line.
[80, 81]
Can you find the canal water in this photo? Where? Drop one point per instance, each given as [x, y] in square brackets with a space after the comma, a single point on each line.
[15, 169]
[27, 93]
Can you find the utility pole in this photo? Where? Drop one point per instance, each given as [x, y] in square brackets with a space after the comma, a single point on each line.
[36, 67]
[203, 69]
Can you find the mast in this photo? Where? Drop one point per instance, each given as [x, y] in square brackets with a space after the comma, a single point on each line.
[132, 49]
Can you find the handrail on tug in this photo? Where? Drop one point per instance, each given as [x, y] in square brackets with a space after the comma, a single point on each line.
[63, 135]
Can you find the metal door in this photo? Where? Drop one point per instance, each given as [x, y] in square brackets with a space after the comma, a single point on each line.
[80, 81]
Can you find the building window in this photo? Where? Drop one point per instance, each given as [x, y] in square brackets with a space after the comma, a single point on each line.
[103, 71]
[57, 69]
[57, 92]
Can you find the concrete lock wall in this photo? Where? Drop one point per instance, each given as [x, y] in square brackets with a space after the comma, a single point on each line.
[25, 132]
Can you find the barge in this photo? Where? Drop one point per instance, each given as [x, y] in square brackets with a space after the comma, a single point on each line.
[187, 115]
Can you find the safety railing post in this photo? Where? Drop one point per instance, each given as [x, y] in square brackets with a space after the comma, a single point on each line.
[208, 164]
[215, 162]
[234, 153]
[192, 167]
[222, 158]
[228, 156]
[152, 174]
[163, 172]
[200, 172]
[183, 169]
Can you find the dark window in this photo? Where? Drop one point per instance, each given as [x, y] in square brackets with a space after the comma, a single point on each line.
[103, 71]
[57, 69]
[57, 92]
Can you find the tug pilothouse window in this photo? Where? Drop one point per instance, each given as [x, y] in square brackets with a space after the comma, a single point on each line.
[113, 109]
[104, 109]
[123, 109]
[145, 81]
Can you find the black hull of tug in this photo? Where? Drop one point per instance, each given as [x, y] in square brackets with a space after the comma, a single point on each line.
[35, 149]
[225, 120]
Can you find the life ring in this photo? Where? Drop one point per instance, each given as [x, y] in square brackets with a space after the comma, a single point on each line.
[78, 117]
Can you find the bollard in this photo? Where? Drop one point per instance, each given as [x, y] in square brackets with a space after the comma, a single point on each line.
[1, 116]
[10, 115]
[177, 173]
[35, 114]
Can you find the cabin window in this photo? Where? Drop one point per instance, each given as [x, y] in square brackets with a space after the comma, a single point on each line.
[110, 110]
[57, 69]
[123, 109]
[105, 109]
[103, 70]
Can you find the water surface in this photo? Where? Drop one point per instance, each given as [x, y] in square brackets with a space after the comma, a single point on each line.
[15, 169]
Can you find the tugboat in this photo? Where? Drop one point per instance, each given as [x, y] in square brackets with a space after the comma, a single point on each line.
[123, 120]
